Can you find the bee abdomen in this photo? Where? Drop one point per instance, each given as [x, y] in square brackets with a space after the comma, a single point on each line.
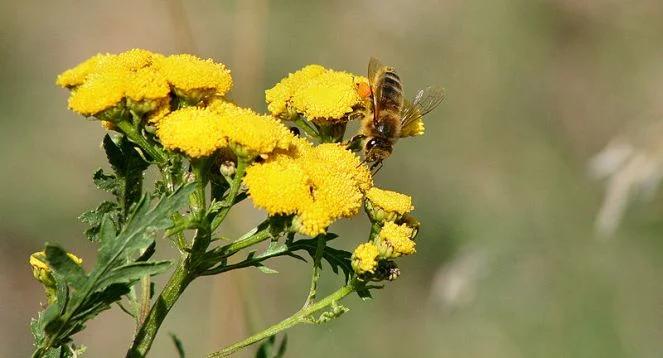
[391, 91]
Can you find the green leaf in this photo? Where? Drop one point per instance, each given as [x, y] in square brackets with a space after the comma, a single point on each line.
[266, 349]
[337, 259]
[104, 181]
[94, 217]
[178, 345]
[266, 269]
[132, 272]
[64, 267]
[115, 271]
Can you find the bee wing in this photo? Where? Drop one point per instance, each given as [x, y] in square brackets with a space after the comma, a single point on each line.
[424, 102]
[375, 70]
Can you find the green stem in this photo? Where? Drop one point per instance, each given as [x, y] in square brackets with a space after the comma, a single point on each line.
[232, 193]
[166, 300]
[300, 316]
[306, 126]
[212, 257]
[134, 135]
[317, 266]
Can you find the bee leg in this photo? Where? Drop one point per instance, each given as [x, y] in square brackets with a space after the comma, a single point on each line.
[377, 165]
[356, 115]
[354, 144]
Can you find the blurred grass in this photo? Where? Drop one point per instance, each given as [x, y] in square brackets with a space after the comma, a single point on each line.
[534, 89]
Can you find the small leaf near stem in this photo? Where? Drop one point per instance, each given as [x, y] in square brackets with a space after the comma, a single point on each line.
[317, 266]
[300, 316]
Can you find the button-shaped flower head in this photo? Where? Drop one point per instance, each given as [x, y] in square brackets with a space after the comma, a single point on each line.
[316, 184]
[387, 205]
[365, 258]
[320, 95]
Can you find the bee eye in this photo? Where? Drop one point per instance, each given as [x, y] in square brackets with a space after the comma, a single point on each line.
[295, 131]
[370, 144]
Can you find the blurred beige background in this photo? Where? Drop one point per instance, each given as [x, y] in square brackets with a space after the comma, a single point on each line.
[508, 262]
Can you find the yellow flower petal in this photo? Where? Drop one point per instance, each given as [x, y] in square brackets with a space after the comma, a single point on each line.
[279, 187]
[98, 93]
[365, 258]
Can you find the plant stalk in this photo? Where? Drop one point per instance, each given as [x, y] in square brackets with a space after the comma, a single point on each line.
[300, 316]
[166, 300]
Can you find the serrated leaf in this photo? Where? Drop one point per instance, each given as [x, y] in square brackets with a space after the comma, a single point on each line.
[93, 218]
[337, 259]
[64, 267]
[137, 234]
[105, 181]
[365, 294]
[132, 272]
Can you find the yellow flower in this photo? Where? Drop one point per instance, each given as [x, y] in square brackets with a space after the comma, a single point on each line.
[195, 78]
[318, 184]
[280, 187]
[103, 81]
[76, 76]
[384, 205]
[395, 240]
[278, 96]
[249, 133]
[195, 131]
[199, 132]
[365, 258]
[98, 93]
[317, 93]
[414, 128]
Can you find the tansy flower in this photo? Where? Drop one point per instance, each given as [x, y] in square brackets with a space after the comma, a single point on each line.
[395, 240]
[365, 258]
[317, 184]
[250, 133]
[104, 81]
[195, 131]
[317, 93]
[383, 205]
[278, 96]
[195, 78]
[199, 132]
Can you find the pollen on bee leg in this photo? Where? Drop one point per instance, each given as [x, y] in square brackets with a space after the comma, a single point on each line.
[363, 90]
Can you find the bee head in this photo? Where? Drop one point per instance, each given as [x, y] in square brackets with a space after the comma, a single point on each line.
[377, 149]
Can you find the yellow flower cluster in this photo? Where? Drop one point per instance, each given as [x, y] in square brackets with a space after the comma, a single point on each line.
[144, 80]
[365, 258]
[317, 93]
[317, 184]
[395, 240]
[199, 132]
[386, 205]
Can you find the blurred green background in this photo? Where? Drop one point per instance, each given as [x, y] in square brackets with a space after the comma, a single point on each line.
[508, 263]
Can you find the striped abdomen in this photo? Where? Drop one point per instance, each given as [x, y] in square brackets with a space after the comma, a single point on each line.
[389, 104]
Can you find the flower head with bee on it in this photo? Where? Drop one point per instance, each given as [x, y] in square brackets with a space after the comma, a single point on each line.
[294, 163]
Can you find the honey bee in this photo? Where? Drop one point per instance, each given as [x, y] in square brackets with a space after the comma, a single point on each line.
[391, 112]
